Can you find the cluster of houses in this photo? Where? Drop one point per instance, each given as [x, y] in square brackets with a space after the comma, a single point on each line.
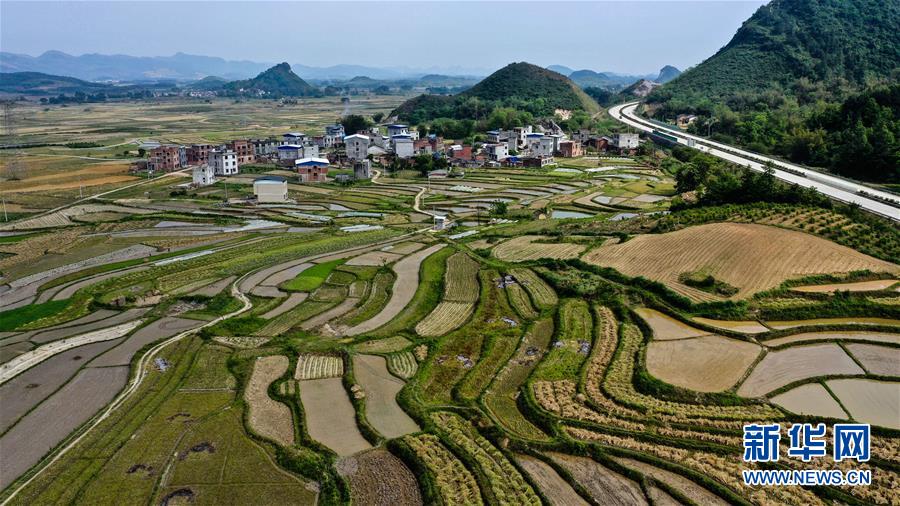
[310, 157]
[528, 146]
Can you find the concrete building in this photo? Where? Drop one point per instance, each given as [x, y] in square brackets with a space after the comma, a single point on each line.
[539, 145]
[362, 169]
[356, 146]
[538, 161]
[223, 162]
[289, 152]
[402, 146]
[203, 175]
[393, 130]
[244, 151]
[625, 141]
[198, 153]
[165, 158]
[496, 152]
[265, 148]
[270, 189]
[570, 149]
[312, 170]
[293, 138]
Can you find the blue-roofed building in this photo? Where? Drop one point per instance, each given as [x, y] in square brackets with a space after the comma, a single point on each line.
[397, 130]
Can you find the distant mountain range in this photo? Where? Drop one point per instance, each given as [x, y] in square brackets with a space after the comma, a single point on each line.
[187, 67]
[587, 78]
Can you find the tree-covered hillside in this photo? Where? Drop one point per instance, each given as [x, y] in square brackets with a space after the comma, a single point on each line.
[278, 81]
[811, 80]
[520, 86]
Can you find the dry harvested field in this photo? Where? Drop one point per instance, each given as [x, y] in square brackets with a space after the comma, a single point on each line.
[160, 329]
[749, 257]
[869, 401]
[330, 418]
[48, 424]
[214, 288]
[875, 337]
[551, 484]
[404, 248]
[691, 490]
[604, 486]
[811, 399]
[381, 389]
[292, 301]
[27, 390]
[779, 368]
[374, 258]
[70, 330]
[665, 327]
[859, 286]
[311, 367]
[744, 327]
[378, 478]
[527, 247]
[268, 418]
[461, 292]
[862, 320]
[455, 482]
[404, 288]
[541, 293]
[704, 364]
[402, 364]
[877, 360]
[386, 345]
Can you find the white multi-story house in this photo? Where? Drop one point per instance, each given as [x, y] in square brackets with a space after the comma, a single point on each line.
[204, 175]
[223, 162]
[393, 130]
[293, 138]
[356, 146]
[539, 145]
[402, 146]
[497, 152]
[626, 141]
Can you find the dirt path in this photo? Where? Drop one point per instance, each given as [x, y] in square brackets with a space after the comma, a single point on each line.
[404, 289]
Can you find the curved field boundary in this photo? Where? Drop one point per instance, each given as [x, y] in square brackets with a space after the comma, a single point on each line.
[291, 302]
[523, 248]
[855, 335]
[330, 418]
[541, 293]
[336, 312]
[38, 355]
[461, 292]
[268, 418]
[318, 366]
[405, 285]
[381, 388]
[402, 364]
[455, 483]
[446, 317]
[551, 484]
[138, 378]
[782, 367]
[687, 487]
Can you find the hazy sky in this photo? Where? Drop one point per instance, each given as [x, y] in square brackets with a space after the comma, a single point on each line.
[632, 37]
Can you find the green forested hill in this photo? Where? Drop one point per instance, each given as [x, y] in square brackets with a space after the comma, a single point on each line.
[811, 80]
[520, 86]
[278, 81]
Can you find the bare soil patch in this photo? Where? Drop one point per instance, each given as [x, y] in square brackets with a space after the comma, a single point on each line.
[48, 424]
[376, 258]
[269, 418]
[550, 482]
[160, 329]
[330, 418]
[665, 327]
[403, 291]
[859, 286]
[691, 490]
[870, 401]
[704, 364]
[781, 367]
[878, 360]
[379, 478]
[811, 399]
[526, 247]
[745, 327]
[604, 485]
[381, 389]
[877, 337]
[861, 320]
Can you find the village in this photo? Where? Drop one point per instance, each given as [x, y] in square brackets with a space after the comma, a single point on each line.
[390, 145]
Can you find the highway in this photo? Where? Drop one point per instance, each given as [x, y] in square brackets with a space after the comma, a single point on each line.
[870, 199]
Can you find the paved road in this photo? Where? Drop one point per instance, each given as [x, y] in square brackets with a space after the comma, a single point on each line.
[835, 187]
